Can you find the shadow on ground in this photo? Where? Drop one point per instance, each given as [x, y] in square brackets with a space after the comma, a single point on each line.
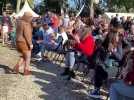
[5, 69]
[54, 86]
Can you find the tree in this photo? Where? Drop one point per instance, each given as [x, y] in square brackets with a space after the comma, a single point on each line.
[127, 4]
[2, 2]
[91, 3]
[88, 3]
[18, 6]
[57, 5]
[41, 7]
[78, 3]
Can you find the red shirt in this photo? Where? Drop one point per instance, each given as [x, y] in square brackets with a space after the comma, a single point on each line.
[86, 46]
[55, 21]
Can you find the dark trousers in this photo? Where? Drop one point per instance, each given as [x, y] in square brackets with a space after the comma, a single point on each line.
[100, 76]
[37, 47]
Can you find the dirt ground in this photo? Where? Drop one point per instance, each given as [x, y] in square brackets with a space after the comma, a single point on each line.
[45, 83]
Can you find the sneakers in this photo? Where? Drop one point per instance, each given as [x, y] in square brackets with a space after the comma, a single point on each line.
[95, 94]
[72, 74]
[37, 57]
[66, 72]
[39, 54]
[69, 73]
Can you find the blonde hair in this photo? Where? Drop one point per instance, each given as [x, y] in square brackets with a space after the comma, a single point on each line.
[85, 31]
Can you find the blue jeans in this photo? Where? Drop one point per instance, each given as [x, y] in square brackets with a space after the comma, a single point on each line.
[13, 40]
[38, 47]
[121, 91]
[70, 60]
[50, 47]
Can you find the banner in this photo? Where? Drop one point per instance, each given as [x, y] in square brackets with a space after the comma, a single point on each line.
[80, 11]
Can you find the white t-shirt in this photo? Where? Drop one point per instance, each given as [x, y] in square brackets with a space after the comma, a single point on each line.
[64, 36]
[49, 31]
[47, 35]
[5, 29]
[66, 21]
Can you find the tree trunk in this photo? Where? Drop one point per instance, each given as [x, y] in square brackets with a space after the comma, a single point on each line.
[92, 9]
[18, 6]
[1, 6]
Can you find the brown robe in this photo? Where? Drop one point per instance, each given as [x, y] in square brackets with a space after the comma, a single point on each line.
[23, 35]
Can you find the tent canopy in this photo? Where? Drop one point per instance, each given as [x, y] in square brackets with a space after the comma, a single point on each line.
[109, 14]
[26, 8]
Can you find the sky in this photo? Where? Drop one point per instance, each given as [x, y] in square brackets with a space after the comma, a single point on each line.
[71, 3]
[37, 1]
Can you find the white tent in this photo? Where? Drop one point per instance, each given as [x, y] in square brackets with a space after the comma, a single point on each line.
[26, 8]
[109, 14]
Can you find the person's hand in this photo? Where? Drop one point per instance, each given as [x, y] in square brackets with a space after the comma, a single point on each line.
[77, 38]
[34, 24]
[31, 47]
[69, 32]
[110, 47]
[53, 42]
[38, 41]
[132, 49]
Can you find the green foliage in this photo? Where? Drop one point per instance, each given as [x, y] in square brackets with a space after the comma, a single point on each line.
[121, 5]
[111, 5]
[31, 3]
[42, 7]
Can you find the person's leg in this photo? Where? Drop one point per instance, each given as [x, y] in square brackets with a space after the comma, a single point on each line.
[44, 50]
[113, 92]
[35, 49]
[6, 37]
[19, 64]
[100, 76]
[3, 39]
[66, 70]
[122, 89]
[69, 62]
[41, 49]
[27, 58]
[12, 41]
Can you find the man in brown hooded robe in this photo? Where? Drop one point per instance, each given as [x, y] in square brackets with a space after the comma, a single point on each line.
[24, 42]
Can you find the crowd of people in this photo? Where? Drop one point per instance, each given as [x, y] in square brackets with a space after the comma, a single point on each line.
[7, 29]
[107, 44]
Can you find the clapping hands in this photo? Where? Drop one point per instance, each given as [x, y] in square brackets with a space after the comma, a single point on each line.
[77, 38]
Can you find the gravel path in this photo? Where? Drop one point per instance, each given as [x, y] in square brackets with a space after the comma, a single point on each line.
[44, 84]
